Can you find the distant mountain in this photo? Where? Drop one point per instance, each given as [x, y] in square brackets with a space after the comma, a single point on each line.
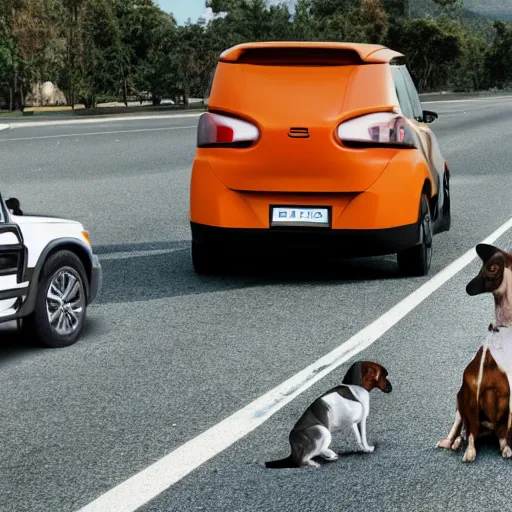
[495, 9]
[498, 9]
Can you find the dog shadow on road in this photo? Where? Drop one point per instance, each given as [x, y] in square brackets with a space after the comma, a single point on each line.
[140, 272]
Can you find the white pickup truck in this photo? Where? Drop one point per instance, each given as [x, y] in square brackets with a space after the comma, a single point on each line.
[48, 275]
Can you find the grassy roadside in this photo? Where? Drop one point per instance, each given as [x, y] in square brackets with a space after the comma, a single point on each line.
[80, 111]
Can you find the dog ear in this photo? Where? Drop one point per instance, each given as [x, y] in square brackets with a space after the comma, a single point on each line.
[486, 251]
[354, 374]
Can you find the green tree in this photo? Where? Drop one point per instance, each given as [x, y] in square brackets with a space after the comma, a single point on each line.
[222, 5]
[325, 9]
[431, 50]
[470, 74]
[8, 53]
[349, 20]
[154, 62]
[188, 60]
[105, 59]
[500, 55]
[373, 20]
[396, 9]
[304, 26]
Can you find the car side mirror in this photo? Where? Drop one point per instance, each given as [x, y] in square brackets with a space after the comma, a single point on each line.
[13, 204]
[429, 117]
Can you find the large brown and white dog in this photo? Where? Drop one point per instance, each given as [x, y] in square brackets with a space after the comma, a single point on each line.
[483, 400]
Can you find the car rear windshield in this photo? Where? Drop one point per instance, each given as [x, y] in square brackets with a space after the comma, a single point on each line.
[291, 92]
[299, 57]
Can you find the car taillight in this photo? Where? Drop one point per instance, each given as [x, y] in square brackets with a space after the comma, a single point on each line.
[381, 128]
[215, 130]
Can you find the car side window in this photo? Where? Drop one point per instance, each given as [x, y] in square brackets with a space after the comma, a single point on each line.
[401, 92]
[413, 94]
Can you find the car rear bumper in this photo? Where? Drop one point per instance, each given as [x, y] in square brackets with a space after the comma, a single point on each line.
[96, 279]
[391, 202]
[347, 243]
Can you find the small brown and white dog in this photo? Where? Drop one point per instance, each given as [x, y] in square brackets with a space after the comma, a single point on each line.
[483, 400]
[344, 406]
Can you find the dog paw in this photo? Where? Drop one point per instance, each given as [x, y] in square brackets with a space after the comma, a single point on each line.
[369, 449]
[457, 444]
[470, 455]
[311, 464]
[330, 455]
[506, 452]
[492, 328]
[445, 443]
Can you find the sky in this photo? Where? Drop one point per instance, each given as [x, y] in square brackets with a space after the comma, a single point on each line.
[183, 9]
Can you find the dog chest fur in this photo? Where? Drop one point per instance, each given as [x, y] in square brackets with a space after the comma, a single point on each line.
[341, 412]
[499, 345]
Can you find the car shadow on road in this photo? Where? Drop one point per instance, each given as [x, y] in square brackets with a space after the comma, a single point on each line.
[139, 272]
[14, 344]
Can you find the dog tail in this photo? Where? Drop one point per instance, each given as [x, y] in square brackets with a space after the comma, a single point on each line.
[281, 463]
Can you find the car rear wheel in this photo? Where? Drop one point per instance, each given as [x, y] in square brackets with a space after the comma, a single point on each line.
[61, 302]
[416, 260]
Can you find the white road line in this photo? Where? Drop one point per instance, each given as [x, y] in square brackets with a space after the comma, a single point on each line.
[101, 119]
[470, 110]
[470, 100]
[4, 127]
[97, 133]
[136, 254]
[444, 112]
[155, 479]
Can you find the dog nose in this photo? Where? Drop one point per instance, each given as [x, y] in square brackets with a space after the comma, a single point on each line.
[476, 286]
[388, 387]
[471, 289]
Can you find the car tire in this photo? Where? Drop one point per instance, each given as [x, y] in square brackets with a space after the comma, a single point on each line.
[204, 259]
[447, 207]
[416, 261]
[62, 294]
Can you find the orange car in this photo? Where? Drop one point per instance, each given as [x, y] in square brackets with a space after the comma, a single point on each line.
[317, 145]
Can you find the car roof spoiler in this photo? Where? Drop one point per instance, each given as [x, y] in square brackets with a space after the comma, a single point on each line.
[309, 53]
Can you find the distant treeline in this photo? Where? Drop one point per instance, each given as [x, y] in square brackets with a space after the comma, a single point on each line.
[101, 50]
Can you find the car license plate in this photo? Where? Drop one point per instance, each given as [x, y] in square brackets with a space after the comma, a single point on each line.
[299, 216]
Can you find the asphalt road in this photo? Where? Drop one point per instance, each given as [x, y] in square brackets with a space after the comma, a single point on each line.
[167, 354]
